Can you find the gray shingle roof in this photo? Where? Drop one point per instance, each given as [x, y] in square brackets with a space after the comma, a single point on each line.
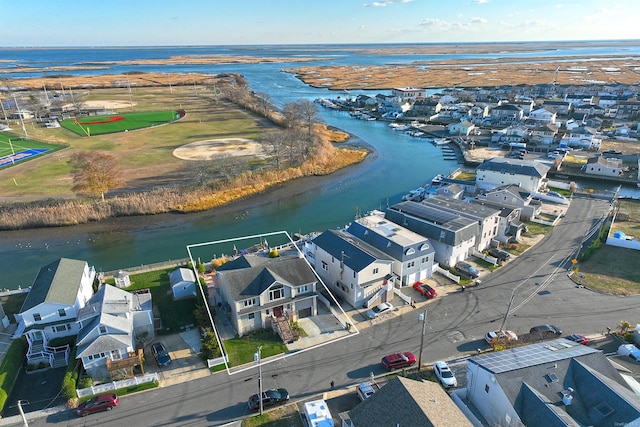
[409, 403]
[469, 210]
[354, 252]
[57, 282]
[245, 282]
[515, 166]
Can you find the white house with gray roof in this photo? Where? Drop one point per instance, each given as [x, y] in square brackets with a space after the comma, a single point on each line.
[453, 236]
[413, 255]
[353, 269]
[110, 326]
[50, 310]
[259, 291]
[529, 175]
[551, 383]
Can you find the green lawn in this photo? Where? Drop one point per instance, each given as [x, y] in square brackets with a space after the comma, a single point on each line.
[87, 126]
[174, 314]
[241, 350]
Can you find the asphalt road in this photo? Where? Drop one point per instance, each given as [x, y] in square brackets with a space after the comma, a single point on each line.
[542, 293]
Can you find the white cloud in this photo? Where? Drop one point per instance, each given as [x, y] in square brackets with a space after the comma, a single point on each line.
[384, 3]
[481, 1]
[430, 22]
[477, 20]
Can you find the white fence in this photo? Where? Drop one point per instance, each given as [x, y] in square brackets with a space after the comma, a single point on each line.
[488, 258]
[406, 298]
[115, 385]
[446, 273]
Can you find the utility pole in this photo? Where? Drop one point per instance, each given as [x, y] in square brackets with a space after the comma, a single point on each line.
[256, 357]
[504, 320]
[20, 113]
[423, 317]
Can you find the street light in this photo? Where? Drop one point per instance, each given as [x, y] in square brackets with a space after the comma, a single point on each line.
[423, 317]
[256, 358]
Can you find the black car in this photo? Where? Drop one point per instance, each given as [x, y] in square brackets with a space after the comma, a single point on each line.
[545, 331]
[161, 354]
[269, 398]
[499, 254]
[467, 270]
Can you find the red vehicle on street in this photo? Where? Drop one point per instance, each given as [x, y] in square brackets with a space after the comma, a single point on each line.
[103, 402]
[425, 290]
[398, 360]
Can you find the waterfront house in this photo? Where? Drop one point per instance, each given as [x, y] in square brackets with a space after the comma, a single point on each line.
[51, 308]
[183, 283]
[477, 113]
[261, 292]
[424, 108]
[412, 254]
[408, 94]
[486, 217]
[529, 175]
[111, 326]
[463, 128]
[453, 236]
[581, 137]
[604, 166]
[511, 196]
[355, 271]
[551, 383]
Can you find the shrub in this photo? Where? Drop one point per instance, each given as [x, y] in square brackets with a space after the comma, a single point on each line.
[85, 382]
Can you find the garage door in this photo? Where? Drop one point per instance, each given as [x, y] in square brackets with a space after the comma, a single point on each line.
[305, 312]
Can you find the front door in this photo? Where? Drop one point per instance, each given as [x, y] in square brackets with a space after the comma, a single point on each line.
[277, 311]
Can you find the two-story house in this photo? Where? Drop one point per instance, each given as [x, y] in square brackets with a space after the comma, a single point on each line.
[463, 128]
[408, 94]
[552, 383]
[506, 114]
[563, 108]
[512, 196]
[543, 116]
[110, 326]
[544, 134]
[453, 236]
[486, 217]
[529, 175]
[412, 254]
[50, 310]
[353, 270]
[259, 291]
[424, 108]
[582, 137]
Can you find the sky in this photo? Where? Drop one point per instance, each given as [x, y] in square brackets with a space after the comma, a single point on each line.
[70, 23]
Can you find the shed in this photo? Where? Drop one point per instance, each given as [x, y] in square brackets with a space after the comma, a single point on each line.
[183, 283]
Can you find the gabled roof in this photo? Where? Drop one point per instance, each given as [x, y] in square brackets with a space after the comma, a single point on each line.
[515, 166]
[535, 377]
[57, 282]
[509, 107]
[247, 282]
[404, 402]
[181, 275]
[466, 209]
[349, 249]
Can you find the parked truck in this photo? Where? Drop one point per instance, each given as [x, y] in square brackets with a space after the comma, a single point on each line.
[318, 414]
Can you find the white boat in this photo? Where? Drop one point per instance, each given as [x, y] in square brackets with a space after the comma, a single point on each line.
[441, 141]
[399, 126]
[437, 180]
[415, 133]
[414, 195]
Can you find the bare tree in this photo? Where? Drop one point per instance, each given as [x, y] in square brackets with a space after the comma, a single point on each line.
[308, 112]
[292, 114]
[275, 144]
[264, 102]
[94, 173]
[227, 166]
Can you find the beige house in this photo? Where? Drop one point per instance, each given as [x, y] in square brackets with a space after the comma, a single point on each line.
[604, 166]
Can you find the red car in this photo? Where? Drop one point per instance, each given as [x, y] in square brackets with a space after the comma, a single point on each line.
[102, 402]
[398, 360]
[579, 338]
[425, 290]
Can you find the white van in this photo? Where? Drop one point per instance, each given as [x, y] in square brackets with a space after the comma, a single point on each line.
[364, 391]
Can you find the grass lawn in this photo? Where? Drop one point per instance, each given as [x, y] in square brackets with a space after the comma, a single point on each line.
[174, 314]
[285, 416]
[13, 303]
[612, 270]
[98, 125]
[241, 350]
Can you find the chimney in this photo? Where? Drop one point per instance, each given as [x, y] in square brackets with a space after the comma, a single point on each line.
[567, 398]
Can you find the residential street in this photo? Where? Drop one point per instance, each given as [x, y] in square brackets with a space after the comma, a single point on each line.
[456, 324]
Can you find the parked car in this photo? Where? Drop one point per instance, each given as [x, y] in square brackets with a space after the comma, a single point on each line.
[497, 336]
[102, 402]
[467, 269]
[379, 309]
[270, 397]
[579, 338]
[161, 354]
[364, 391]
[425, 290]
[398, 360]
[499, 254]
[444, 374]
[545, 331]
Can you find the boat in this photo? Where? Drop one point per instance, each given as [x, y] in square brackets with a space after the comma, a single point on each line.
[441, 141]
[437, 180]
[415, 133]
[399, 126]
[414, 195]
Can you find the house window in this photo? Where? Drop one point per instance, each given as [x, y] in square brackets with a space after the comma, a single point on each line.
[411, 264]
[249, 302]
[354, 274]
[425, 260]
[37, 317]
[102, 329]
[276, 292]
[60, 328]
[115, 355]
[302, 289]
[62, 312]
[252, 316]
[486, 388]
[325, 267]
[375, 270]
